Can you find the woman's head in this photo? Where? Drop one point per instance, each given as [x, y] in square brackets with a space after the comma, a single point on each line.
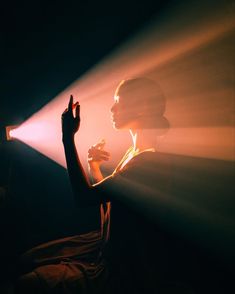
[139, 104]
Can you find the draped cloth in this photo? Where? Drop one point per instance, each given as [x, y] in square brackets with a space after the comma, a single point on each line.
[77, 264]
[69, 265]
[131, 253]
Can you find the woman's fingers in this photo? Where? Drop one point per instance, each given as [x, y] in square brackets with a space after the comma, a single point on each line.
[98, 158]
[77, 109]
[98, 155]
[95, 152]
[70, 106]
[99, 145]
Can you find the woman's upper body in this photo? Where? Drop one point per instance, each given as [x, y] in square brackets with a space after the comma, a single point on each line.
[155, 197]
[138, 107]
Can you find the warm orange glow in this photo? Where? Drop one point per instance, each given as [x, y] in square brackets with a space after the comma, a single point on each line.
[193, 64]
[207, 142]
[192, 59]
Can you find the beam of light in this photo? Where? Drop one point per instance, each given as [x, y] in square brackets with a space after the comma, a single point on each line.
[189, 52]
[212, 226]
[192, 61]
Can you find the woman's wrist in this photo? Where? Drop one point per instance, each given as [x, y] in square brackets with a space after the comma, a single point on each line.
[67, 137]
[94, 165]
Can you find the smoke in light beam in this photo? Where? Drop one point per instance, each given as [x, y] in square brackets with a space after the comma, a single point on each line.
[189, 53]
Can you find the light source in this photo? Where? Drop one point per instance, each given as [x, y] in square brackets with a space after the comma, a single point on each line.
[10, 132]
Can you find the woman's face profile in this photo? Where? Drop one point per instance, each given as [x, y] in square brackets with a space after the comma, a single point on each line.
[117, 111]
[138, 104]
[122, 111]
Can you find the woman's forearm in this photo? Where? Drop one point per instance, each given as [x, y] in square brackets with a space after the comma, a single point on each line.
[80, 185]
[95, 172]
[83, 191]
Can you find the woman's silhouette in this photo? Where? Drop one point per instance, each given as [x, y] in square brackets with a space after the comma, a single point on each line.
[115, 258]
[139, 105]
[146, 213]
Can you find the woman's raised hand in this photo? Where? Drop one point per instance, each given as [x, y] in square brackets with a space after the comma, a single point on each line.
[71, 123]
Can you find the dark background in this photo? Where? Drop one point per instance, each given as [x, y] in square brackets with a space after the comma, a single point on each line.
[46, 45]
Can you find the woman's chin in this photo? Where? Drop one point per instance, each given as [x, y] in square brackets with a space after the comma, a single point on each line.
[117, 125]
[121, 126]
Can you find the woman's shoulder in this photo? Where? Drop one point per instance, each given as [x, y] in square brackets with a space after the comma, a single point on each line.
[148, 167]
[149, 158]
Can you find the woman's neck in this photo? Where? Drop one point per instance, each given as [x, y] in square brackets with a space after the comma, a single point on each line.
[143, 139]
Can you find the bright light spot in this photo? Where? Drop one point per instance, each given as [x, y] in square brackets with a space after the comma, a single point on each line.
[11, 133]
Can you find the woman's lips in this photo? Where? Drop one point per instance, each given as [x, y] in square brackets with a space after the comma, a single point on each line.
[113, 117]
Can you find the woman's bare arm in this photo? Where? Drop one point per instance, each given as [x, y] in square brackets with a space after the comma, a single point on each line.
[70, 125]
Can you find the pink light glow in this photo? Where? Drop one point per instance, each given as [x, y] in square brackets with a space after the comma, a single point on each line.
[193, 62]
[194, 67]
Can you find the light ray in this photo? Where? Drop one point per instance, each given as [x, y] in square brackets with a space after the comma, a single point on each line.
[191, 59]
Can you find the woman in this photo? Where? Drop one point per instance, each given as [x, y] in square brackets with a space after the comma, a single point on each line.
[142, 203]
[138, 106]
[110, 259]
